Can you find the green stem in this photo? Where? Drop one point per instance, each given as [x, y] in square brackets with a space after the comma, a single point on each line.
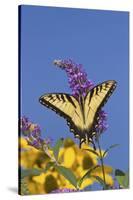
[101, 159]
[45, 149]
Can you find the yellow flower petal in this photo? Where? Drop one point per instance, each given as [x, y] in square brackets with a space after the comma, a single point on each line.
[35, 188]
[86, 183]
[107, 169]
[23, 143]
[28, 157]
[69, 157]
[68, 185]
[39, 179]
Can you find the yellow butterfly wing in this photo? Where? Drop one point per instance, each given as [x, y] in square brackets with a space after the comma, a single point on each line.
[95, 100]
[66, 106]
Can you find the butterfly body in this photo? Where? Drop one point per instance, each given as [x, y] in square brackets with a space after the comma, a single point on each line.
[80, 113]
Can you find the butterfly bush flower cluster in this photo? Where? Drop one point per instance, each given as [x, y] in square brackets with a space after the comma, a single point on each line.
[80, 86]
[32, 133]
[77, 77]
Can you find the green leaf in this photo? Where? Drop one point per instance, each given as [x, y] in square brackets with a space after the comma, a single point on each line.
[126, 180]
[35, 172]
[101, 182]
[49, 164]
[122, 178]
[57, 147]
[111, 147]
[92, 151]
[68, 174]
[86, 175]
[119, 172]
[30, 172]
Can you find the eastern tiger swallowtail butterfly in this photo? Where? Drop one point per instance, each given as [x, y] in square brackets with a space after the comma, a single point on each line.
[81, 115]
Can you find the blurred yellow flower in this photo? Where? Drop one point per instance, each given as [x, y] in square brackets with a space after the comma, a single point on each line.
[70, 156]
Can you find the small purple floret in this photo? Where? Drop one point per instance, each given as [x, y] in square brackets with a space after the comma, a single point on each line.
[64, 190]
[102, 122]
[25, 124]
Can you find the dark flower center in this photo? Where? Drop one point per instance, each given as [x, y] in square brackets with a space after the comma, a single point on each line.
[50, 184]
[87, 162]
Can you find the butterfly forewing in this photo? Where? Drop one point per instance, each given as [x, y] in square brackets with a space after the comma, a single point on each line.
[66, 106]
[96, 99]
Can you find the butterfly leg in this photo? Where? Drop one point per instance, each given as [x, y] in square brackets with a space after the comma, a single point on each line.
[90, 140]
[81, 142]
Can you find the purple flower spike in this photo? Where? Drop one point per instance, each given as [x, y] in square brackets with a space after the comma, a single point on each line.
[32, 133]
[77, 77]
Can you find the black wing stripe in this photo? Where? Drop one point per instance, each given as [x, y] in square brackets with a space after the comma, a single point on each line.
[70, 100]
[88, 111]
[77, 114]
[62, 97]
[97, 88]
[58, 97]
[91, 95]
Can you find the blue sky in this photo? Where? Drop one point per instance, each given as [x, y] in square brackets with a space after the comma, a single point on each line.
[95, 38]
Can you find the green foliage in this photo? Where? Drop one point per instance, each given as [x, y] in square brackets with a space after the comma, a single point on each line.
[126, 180]
[122, 178]
[30, 172]
[68, 174]
[23, 187]
[34, 171]
[92, 151]
[86, 175]
[105, 186]
[89, 175]
[108, 149]
[57, 147]
[48, 166]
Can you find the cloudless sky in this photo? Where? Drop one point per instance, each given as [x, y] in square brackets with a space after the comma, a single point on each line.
[95, 38]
